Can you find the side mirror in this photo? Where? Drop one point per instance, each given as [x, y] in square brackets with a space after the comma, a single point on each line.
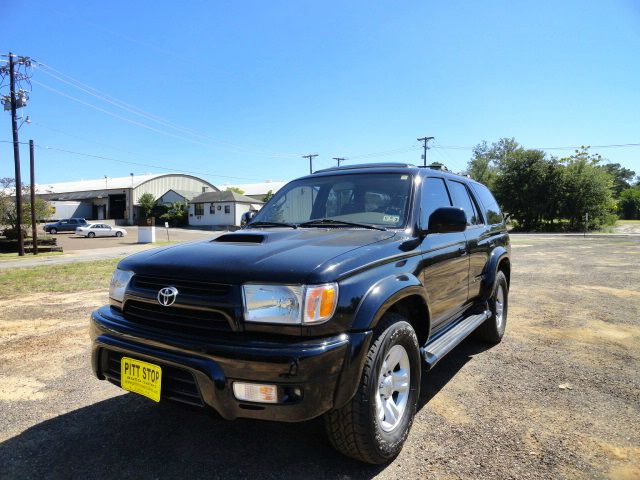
[447, 220]
[247, 217]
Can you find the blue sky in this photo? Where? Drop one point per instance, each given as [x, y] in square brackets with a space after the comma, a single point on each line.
[260, 83]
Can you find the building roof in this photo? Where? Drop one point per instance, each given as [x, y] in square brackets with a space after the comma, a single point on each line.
[183, 193]
[225, 196]
[257, 188]
[108, 183]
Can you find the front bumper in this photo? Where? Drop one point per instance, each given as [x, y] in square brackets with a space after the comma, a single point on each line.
[326, 370]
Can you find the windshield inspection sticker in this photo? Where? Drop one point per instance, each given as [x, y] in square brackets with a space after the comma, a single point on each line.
[391, 218]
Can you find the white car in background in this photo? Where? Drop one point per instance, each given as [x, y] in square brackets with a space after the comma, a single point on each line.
[100, 230]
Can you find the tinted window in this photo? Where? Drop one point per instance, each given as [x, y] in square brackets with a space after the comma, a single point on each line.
[461, 199]
[494, 215]
[434, 195]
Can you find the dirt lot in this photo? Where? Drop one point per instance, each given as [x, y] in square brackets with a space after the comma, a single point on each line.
[558, 398]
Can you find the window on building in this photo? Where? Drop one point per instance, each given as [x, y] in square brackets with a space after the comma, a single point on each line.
[212, 209]
[199, 208]
[227, 209]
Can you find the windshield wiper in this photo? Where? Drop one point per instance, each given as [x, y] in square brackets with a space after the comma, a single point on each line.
[320, 222]
[271, 224]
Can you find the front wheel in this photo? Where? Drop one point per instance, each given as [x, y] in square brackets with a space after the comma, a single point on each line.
[374, 425]
[91, 234]
[492, 330]
[118, 234]
[53, 231]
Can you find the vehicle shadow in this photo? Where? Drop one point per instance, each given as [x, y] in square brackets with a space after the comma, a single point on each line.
[130, 437]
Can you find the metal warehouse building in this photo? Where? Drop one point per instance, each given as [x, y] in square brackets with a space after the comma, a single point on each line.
[117, 198]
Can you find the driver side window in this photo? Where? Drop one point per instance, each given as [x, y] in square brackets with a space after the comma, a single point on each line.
[434, 196]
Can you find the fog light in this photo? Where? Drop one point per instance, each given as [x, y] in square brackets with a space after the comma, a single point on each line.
[255, 392]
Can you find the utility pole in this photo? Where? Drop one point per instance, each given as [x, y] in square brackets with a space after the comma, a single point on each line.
[16, 156]
[32, 179]
[339, 159]
[310, 157]
[425, 147]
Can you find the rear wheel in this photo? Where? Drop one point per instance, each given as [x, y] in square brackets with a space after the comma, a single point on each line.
[492, 330]
[91, 234]
[374, 425]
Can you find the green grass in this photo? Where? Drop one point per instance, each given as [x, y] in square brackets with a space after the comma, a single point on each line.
[628, 222]
[63, 278]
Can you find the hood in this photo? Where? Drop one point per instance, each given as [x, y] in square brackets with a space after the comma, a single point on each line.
[268, 255]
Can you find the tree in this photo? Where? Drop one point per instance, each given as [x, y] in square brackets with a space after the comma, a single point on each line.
[268, 196]
[8, 217]
[526, 186]
[487, 160]
[629, 204]
[586, 188]
[146, 202]
[235, 189]
[176, 214]
[622, 177]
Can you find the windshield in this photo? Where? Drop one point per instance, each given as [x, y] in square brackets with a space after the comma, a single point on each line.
[380, 199]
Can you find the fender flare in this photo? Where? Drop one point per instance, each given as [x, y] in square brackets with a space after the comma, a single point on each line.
[486, 286]
[382, 295]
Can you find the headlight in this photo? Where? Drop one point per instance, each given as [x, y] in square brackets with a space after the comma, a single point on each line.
[289, 304]
[118, 285]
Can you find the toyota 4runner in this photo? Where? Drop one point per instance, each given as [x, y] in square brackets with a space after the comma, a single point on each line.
[332, 301]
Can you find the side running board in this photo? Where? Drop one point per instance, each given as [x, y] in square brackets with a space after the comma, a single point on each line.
[438, 347]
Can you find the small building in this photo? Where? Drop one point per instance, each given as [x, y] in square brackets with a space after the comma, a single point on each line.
[257, 190]
[222, 209]
[117, 198]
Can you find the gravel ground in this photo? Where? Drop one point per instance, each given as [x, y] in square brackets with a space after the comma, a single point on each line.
[558, 398]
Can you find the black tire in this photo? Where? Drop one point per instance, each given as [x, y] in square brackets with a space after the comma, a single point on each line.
[492, 330]
[91, 234]
[354, 429]
[118, 234]
[53, 231]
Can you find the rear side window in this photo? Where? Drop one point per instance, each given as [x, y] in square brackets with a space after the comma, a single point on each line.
[493, 213]
[434, 195]
[461, 199]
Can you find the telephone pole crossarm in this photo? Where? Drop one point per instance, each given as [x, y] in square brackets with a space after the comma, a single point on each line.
[425, 147]
[310, 157]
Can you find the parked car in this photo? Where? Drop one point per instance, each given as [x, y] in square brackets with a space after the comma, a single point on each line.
[330, 302]
[93, 230]
[66, 225]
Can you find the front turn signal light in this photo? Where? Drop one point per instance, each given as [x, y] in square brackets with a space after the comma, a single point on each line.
[320, 302]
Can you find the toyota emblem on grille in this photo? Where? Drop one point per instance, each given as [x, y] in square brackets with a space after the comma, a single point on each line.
[167, 296]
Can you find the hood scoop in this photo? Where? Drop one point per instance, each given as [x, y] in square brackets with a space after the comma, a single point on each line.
[250, 238]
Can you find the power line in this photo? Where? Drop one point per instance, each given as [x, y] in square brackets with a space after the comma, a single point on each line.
[128, 162]
[69, 80]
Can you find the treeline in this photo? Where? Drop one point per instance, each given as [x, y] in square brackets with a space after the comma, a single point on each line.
[541, 192]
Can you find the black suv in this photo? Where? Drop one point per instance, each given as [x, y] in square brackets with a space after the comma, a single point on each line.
[66, 225]
[331, 301]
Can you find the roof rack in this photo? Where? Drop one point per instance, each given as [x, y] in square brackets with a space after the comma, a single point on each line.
[367, 165]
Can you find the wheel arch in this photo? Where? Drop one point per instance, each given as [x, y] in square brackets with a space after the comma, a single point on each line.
[498, 261]
[402, 294]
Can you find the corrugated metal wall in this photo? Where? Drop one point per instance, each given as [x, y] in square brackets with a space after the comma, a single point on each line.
[159, 186]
